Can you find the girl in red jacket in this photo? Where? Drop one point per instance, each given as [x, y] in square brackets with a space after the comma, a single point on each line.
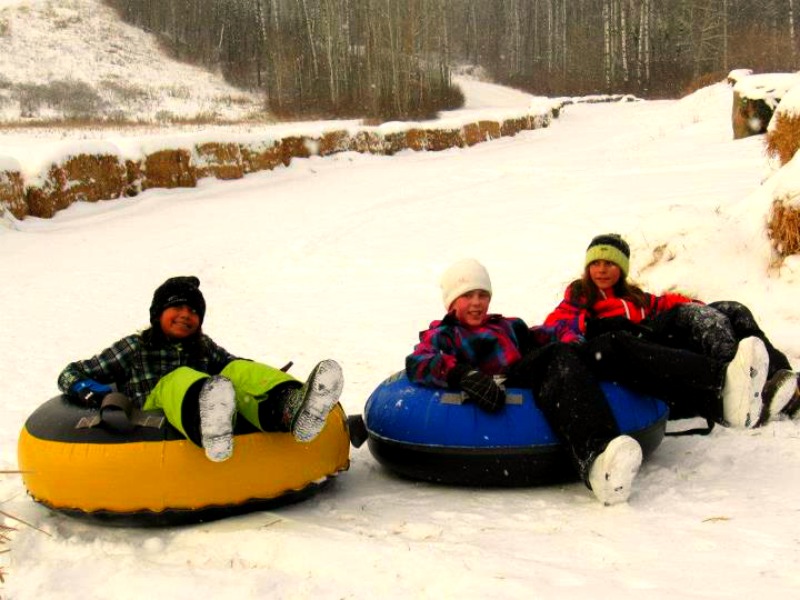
[467, 348]
[603, 300]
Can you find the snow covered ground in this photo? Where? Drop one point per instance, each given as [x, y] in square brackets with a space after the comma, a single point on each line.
[340, 257]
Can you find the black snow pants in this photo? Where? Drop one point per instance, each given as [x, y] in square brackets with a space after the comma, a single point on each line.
[715, 333]
[744, 325]
[570, 398]
[690, 383]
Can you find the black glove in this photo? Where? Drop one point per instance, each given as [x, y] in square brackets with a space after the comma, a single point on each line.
[482, 390]
[595, 327]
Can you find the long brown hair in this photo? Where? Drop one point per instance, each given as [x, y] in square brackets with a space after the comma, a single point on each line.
[585, 289]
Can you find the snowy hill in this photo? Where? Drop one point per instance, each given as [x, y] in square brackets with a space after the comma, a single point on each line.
[61, 59]
[340, 257]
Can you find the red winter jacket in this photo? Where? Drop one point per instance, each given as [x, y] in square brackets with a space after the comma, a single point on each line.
[567, 322]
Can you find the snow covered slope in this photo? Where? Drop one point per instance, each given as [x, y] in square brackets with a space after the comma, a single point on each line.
[56, 57]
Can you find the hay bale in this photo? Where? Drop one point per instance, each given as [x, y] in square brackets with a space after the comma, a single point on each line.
[490, 130]
[40, 203]
[395, 142]
[48, 198]
[168, 169]
[784, 228]
[749, 116]
[442, 139]
[333, 142]
[90, 178]
[784, 139]
[368, 142]
[511, 127]
[540, 121]
[220, 160]
[471, 132]
[263, 156]
[295, 147]
[12, 194]
[417, 139]
[134, 174]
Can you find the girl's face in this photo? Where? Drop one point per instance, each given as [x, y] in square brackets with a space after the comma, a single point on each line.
[604, 274]
[179, 322]
[471, 308]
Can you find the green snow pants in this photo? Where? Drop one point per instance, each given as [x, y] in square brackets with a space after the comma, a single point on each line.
[251, 380]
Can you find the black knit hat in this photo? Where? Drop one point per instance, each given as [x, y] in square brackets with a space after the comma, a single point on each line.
[175, 291]
[610, 247]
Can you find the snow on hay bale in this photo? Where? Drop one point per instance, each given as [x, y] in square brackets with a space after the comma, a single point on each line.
[12, 192]
[222, 160]
[368, 141]
[84, 177]
[103, 174]
[755, 98]
[783, 136]
[395, 141]
[783, 133]
[442, 139]
[784, 227]
[511, 127]
[263, 155]
[782, 142]
[332, 142]
[134, 175]
[296, 146]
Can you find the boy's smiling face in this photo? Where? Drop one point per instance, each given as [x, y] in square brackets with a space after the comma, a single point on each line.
[179, 322]
[471, 308]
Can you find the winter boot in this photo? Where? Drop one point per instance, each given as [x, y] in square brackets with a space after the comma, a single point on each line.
[778, 393]
[792, 409]
[217, 402]
[613, 471]
[744, 380]
[305, 409]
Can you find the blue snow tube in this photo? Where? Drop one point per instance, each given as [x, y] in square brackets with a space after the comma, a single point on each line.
[429, 434]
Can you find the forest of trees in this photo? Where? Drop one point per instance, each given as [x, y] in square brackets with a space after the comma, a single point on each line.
[392, 59]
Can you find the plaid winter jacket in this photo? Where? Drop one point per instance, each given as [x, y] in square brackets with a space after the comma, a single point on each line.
[492, 348]
[567, 322]
[135, 364]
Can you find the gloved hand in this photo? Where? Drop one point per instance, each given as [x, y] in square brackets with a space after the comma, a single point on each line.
[89, 391]
[482, 390]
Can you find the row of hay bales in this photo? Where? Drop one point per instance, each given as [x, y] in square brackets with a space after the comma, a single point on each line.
[91, 177]
[765, 103]
[783, 221]
[782, 142]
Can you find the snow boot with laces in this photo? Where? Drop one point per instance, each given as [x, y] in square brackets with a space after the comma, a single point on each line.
[304, 410]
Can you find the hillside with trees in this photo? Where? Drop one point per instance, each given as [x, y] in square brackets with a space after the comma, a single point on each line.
[389, 59]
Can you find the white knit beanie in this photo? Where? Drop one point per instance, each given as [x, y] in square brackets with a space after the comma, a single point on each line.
[462, 277]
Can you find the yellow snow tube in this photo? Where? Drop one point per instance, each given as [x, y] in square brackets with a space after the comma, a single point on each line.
[152, 475]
